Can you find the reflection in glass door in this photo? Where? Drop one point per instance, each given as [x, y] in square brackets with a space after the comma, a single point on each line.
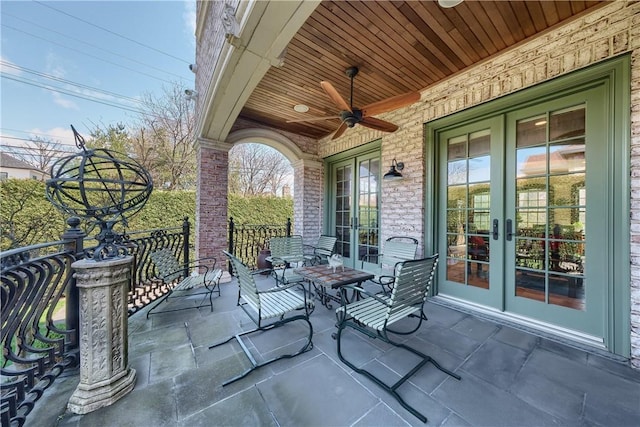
[516, 224]
[471, 182]
[550, 228]
[368, 216]
[343, 216]
[468, 208]
[554, 240]
[356, 227]
[556, 209]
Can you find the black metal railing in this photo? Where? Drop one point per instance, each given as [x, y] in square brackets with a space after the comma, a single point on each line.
[246, 241]
[40, 302]
[145, 287]
[37, 344]
[40, 308]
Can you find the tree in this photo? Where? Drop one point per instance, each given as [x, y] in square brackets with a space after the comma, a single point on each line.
[41, 152]
[161, 139]
[111, 137]
[255, 169]
[165, 138]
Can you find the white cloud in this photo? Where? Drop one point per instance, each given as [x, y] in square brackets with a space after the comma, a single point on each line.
[60, 100]
[60, 135]
[54, 66]
[7, 67]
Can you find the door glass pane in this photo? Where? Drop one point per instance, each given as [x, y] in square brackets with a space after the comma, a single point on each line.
[567, 123]
[457, 196]
[468, 201]
[550, 206]
[532, 131]
[567, 157]
[479, 143]
[343, 209]
[531, 161]
[368, 208]
[457, 172]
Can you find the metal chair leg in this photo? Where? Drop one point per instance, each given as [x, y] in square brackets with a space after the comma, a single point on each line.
[255, 365]
[393, 388]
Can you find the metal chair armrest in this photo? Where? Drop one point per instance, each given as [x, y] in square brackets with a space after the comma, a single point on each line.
[366, 257]
[361, 291]
[195, 264]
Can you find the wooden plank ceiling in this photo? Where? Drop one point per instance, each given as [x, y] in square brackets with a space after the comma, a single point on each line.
[398, 46]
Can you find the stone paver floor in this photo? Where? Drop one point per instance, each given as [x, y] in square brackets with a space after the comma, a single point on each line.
[509, 377]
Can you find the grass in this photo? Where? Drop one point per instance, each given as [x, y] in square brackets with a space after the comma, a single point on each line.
[42, 327]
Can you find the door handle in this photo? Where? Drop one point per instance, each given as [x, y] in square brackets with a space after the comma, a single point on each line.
[509, 230]
[351, 223]
[495, 229]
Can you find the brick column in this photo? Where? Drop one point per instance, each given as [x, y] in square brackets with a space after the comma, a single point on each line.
[211, 199]
[308, 203]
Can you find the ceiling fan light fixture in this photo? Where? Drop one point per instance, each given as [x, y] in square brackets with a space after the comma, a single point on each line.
[301, 108]
[394, 174]
[449, 3]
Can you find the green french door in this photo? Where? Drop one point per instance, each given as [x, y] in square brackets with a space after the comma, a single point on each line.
[472, 186]
[355, 206]
[523, 214]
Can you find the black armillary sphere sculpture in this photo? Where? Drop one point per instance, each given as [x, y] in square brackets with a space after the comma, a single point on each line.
[100, 186]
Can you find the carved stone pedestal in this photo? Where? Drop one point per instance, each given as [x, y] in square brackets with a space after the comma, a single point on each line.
[105, 375]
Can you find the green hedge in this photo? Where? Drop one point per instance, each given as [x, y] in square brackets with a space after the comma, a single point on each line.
[25, 211]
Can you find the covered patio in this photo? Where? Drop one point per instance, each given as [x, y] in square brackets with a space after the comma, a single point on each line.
[471, 63]
[509, 376]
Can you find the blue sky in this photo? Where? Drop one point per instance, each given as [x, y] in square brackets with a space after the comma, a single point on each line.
[108, 51]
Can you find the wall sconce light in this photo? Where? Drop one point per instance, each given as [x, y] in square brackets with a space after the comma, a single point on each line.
[393, 173]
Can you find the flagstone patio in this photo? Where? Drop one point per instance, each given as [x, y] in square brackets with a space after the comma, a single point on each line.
[509, 377]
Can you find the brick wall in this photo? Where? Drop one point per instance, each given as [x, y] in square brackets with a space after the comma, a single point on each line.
[212, 203]
[210, 38]
[602, 34]
[307, 205]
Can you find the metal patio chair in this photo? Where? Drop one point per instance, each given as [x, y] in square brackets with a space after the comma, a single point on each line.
[287, 253]
[170, 270]
[395, 250]
[375, 314]
[262, 305]
[321, 251]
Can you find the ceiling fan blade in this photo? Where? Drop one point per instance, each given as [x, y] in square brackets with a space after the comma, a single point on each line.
[340, 130]
[390, 104]
[373, 123]
[335, 96]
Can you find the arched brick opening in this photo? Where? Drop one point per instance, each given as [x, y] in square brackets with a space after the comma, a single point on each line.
[211, 200]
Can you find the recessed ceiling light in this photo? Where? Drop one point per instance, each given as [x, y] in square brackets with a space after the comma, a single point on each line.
[449, 3]
[301, 108]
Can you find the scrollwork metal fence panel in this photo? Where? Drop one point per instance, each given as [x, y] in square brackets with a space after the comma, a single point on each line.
[246, 241]
[145, 287]
[37, 345]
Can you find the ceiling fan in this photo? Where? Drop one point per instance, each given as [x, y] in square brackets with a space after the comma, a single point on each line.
[351, 116]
